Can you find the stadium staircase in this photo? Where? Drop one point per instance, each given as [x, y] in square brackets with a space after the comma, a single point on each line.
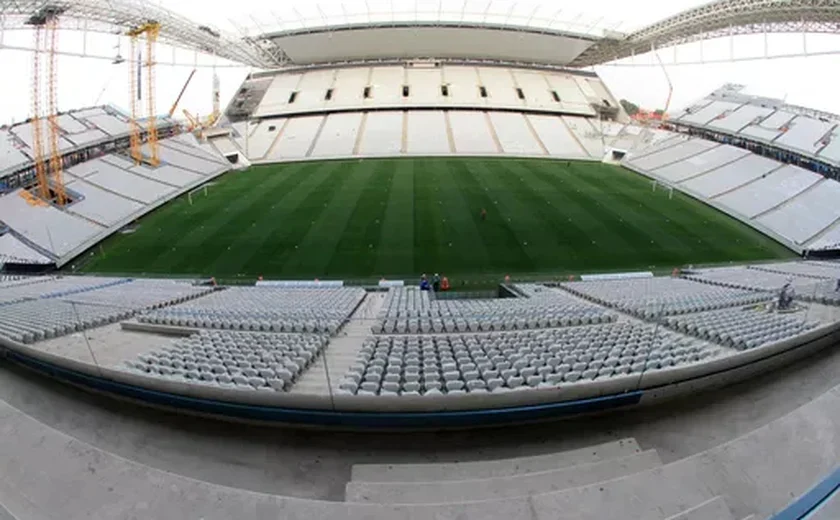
[48, 474]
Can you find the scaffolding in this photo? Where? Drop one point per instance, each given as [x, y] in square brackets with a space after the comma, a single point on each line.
[150, 31]
[48, 164]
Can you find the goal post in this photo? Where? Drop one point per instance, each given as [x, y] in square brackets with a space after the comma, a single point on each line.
[668, 187]
[201, 190]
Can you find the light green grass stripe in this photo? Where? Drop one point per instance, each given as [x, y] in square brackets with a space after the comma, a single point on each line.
[497, 235]
[571, 237]
[459, 247]
[395, 250]
[318, 245]
[252, 237]
[356, 252]
[199, 247]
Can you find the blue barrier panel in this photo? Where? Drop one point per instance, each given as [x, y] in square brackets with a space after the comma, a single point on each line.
[327, 418]
[812, 500]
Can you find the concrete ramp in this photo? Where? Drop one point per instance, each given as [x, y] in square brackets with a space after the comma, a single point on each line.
[500, 487]
[445, 471]
[714, 509]
[47, 474]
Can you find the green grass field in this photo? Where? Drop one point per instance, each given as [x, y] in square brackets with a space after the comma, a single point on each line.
[358, 220]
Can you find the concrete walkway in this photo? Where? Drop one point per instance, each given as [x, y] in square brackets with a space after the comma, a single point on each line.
[312, 464]
[47, 474]
[325, 374]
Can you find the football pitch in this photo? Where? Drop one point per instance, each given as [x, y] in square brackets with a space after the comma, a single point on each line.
[397, 218]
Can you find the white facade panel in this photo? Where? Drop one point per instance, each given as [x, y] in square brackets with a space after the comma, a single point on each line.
[386, 85]
[808, 214]
[737, 119]
[709, 113]
[257, 143]
[704, 162]
[770, 191]
[427, 133]
[556, 137]
[383, 134]
[498, 83]
[338, 135]
[514, 134]
[471, 133]
[730, 176]
[588, 135]
[349, 87]
[463, 85]
[276, 98]
[296, 138]
[805, 134]
[672, 154]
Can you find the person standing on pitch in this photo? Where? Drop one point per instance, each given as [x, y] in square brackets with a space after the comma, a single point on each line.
[483, 214]
[436, 283]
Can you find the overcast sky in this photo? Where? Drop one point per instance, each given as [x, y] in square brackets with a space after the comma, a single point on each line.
[806, 81]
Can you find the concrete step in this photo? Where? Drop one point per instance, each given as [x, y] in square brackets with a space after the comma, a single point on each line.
[713, 509]
[446, 471]
[442, 492]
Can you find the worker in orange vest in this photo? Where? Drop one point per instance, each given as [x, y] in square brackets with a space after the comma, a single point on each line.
[444, 284]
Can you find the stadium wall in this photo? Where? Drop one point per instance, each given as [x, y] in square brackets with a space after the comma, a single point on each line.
[418, 132]
[421, 85]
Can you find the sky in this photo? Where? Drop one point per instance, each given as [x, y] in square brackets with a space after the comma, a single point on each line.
[807, 81]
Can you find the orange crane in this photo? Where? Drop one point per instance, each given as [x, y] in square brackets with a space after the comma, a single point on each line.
[48, 172]
[181, 94]
[151, 31]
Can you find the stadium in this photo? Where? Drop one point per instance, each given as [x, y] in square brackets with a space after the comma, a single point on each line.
[421, 263]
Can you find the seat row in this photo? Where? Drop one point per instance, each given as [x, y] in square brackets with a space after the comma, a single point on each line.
[649, 298]
[35, 320]
[276, 309]
[399, 365]
[742, 329]
[234, 359]
[487, 323]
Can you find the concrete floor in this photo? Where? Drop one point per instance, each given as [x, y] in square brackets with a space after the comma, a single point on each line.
[313, 464]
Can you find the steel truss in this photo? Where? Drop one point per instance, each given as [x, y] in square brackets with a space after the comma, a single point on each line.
[720, 19]
[116, 16]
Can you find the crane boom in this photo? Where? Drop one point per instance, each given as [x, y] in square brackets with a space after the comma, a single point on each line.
[181, 94]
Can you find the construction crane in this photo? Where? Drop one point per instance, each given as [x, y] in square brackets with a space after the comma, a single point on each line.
[150, 32]
[181, 94]
[195, 122]
[48, 171]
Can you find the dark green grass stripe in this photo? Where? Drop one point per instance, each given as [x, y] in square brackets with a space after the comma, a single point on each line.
[318, 245]
[149, 249]
[192, 250]
[597, 236]
[570, 237]
[495, 232]
[632, 241]
[645, 211]
[357, 249]
[241, 229]
[251, 235]
[292, 218]
[395, 251]
[459, 248]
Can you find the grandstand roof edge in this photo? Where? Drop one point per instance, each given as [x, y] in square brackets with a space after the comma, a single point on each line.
[443, 24]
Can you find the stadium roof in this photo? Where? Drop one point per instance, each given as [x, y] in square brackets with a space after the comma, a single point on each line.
[718, 19]
[114, 16]
[494, 29]
[513, 33]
